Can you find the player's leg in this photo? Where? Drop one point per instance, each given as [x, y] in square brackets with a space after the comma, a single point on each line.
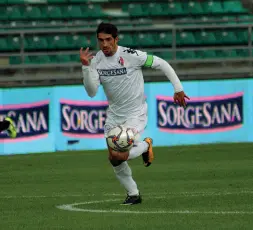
[123, 173]
[8, 125]
[144, 147]
[139, 146]
[148, 156]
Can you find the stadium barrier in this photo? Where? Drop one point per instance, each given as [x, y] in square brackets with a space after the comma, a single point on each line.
[63, 118]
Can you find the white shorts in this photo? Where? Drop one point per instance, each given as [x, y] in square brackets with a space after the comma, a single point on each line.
[137, 124]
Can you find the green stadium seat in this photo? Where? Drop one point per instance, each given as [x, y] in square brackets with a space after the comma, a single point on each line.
[212, 7]
[15, 13]
[93, 42]
[15, 60]
[35, 43]
[3, 13]
[43, 59]
[205, 54]
[129, 25]
[146, 40]
[53, 12]
[157, 9]
[93, 1]
[194, 8]
[176, 8]
[233, 54]
[60, 58]
[58, 42]
[166, 55]
[75, 41]
[185, 38]
[3, 2]
[126, 40]
[136, 10]
[118, 0]
[165, 38]
[26, 60]
[13, 43]
[226, 54]
[124, 7]
[58, 1]
[245, 19]
[4, 44]
[93, 10]
[16, 2]
[205, 37]
[85, 11]
[18, 14]
[40, 59]
[74, 11]
[75, 58]
[233, 7]
[78, 1]
[186, 54]
[242, 36]
[242, 53]
[100, 1]
[251, 37]
[33, 12]
[221, 54]
[225, 37]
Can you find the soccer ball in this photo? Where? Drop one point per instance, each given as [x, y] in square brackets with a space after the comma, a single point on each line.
[120, 138]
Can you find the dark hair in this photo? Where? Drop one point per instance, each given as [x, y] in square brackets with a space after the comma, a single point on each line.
[107, 28]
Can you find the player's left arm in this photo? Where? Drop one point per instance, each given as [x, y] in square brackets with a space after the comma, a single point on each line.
[160, 64]
[142, 59]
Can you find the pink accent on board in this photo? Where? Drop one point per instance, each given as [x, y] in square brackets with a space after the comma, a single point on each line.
[23, 139]
[23, 106]
[73, 102]
[186, 131]
[83, 135]
[200, 99]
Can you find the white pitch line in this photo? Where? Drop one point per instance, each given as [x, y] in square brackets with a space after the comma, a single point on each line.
[190, 193]
[162, 195]
[71, 207]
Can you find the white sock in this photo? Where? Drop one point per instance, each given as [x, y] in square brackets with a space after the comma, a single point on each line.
[124, 174]
[137, 150]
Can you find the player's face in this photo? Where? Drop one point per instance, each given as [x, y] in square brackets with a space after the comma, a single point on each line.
[107, 44]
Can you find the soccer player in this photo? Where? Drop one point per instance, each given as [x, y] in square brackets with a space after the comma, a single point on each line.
[119, 70]
[8, 125]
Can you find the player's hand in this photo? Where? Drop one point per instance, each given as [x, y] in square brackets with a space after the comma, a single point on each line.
[85, 56]
[179, 98]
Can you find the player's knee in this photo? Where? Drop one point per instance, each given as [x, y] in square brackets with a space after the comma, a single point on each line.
[120, 156]
[115, 163]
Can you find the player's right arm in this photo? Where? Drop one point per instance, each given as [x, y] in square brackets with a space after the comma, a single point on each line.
[142, 59]
[90, 76]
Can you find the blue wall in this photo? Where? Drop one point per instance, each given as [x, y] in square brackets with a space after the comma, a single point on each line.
[65, 118]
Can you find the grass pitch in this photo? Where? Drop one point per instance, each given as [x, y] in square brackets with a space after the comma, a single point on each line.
[189, 187]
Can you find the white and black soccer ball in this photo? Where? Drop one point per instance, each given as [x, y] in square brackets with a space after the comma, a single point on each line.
[120, 138]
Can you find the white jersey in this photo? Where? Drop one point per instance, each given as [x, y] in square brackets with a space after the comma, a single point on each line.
[123, 83]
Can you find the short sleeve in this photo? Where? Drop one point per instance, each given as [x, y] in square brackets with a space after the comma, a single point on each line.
[139, 58]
